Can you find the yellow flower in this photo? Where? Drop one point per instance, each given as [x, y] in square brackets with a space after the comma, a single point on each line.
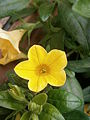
[43, 68]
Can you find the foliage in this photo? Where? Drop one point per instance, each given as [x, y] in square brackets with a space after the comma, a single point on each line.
[66, 26]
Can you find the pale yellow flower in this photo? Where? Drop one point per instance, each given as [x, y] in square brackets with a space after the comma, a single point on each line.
[43, 68]
[9, 45]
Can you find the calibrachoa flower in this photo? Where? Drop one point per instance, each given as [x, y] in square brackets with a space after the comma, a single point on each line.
[43, 68]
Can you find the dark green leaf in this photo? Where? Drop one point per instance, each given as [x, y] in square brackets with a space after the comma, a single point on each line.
[49, 112]
[86, 93]
[40, 99]
[64, 101]
[79, 65]
[76, 115]
[8, 102]
[70, 44]
[71, 24]
[45, 11]
[8, 7]
[57, 40]
[82, 7]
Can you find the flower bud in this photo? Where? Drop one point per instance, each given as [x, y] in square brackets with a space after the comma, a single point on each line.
[16, 92]
[34, 117]
[35, 108]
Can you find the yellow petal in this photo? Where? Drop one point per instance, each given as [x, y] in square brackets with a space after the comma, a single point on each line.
[56, 60]
[56, 78]
[9, 45]
[37, 54]
[37, 84]
[26, 69]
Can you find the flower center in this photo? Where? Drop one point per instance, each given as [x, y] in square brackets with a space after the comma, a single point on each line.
[42, 69]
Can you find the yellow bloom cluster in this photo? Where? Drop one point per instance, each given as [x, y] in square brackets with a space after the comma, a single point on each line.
[43, 68]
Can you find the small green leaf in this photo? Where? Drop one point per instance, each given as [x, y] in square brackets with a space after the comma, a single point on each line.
[49, 112]
[25, 116]
[76, 115]
[40, 99]
[64, 101]
[45, 10]
[9, 7]
[8, 102]
[86, 93]
[82, 7]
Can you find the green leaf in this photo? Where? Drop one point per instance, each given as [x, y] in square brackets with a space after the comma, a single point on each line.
[7, 101]
[25, 116]
[79, 65]
[82, 7]
[72, 85]
[45, 10]
[23, 13]
[86, 93]
[40, 99]
[64, 101]
[57, 40]
[72, 25]
[8, 7]
[76, 115]
[49, 112]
